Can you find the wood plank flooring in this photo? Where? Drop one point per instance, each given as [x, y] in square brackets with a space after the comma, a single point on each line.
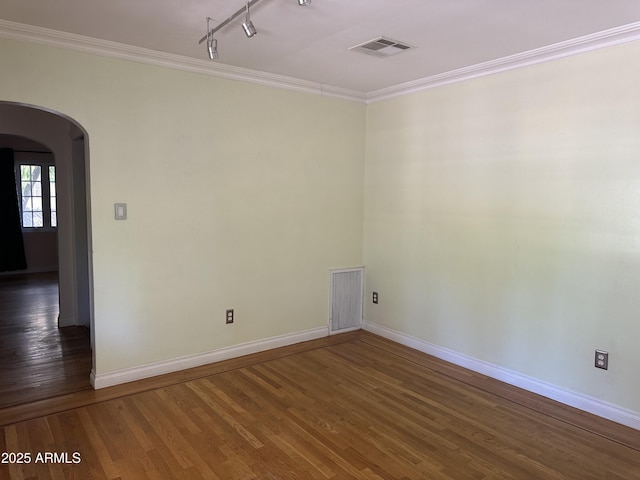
[349, 407]
[38, 360]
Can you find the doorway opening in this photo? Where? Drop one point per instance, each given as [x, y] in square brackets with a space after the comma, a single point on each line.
[46, 315]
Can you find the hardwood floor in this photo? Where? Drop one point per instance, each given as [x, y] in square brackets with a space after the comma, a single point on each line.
[38, 360]
[349, 406]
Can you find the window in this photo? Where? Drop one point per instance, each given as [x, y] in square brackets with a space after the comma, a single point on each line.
[37, 192]
[52, 196]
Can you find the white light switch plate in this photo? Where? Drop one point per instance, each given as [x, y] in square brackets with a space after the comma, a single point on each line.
[121, 211]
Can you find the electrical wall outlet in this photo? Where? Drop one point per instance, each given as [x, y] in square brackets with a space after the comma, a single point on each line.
[602, 359]
[375, 297]
[230, 315]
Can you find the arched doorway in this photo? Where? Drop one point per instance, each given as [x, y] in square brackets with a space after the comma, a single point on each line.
[68, 143]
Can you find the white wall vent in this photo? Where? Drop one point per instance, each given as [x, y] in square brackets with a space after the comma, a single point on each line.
[382, 47]
[346, 299]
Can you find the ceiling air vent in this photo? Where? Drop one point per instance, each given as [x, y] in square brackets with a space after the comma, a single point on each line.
[382, 47]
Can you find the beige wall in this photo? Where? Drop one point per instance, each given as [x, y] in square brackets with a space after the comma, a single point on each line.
[239, 196]
[502, 220]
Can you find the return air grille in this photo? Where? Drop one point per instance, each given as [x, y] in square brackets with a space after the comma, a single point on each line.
[382, 47]
[346, 299]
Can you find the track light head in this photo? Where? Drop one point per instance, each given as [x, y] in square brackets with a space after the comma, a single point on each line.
[212, 48]
[249, 29]
[247, 25]
[212, 43]
[304, 3]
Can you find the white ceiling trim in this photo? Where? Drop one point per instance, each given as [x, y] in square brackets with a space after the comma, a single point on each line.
[605, 38]
[20, 31]
[587, 43]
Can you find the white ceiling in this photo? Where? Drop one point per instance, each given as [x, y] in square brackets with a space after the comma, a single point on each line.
[312, 43]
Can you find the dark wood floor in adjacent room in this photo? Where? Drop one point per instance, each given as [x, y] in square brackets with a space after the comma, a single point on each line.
[352, 406]
[38, 360]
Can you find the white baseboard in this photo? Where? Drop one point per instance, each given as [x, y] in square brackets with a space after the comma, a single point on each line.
[573, 399]
[109, 379]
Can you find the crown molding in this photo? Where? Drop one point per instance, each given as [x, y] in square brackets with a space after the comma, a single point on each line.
[81, 43]
[587, 43]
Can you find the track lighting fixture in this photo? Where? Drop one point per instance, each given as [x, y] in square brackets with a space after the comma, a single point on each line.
[212, 43]
[247, 25]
